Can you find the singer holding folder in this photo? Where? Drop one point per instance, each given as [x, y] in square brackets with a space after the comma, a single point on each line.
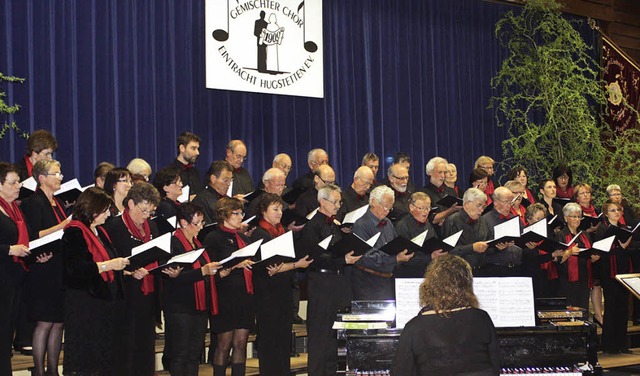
[273, 284]
[14, 245]
[44, 214]
[94, 289]
[137, 334]
[189, 298]
[235, 289]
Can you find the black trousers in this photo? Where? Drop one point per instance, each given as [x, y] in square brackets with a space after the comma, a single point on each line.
[9, 303]
[327, 294]
[616, 311]
[186, 332]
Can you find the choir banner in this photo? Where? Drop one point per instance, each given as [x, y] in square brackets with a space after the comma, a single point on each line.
[265, 46]
[622, 77]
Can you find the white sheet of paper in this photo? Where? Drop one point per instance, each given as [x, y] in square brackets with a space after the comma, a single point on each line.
[605, 244]
[230, 189]
[184, 196]
[67, 186]
[163, 242]
[407, 300]
[453, 239]
[280, 246]
[173, 221]
[372, 241]
[246, 221]
[325, 242]
[57, 235]
[30, 184]
[507, 300]
[310, 215]
[539, 228]
[507, 228]
[248, 251]
[419, 239]
[186, 258]
[572, 239]
[553, 219]
[353, 216]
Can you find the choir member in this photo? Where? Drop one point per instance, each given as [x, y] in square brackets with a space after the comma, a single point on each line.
[128, 231]
[520, 174]
[372, 161]
[100, 173]
[505, 258]
[357, 194]
[188, 152]
[411, 226]
[273, 287]
[486, 163]
[94, 292]
[283, 162]
[575, 278]
[273, 181]
[40, 145]
[397, 180]
[190, 298]
[475, 232]
[44, 215]
[14, 244]
[308, 201]
[583, 197]
[519, 193]
[404, 160]
[169, 184]
[451, 177]
[479, 178]
[219, 178]
[436, 188]
[329, 287]
[372, 274]
[236, 154]
[117, 185]
[450, 335]
[140, 169]
[563, 177]
[236, 315]
[547, 188]
[616, 261]
[315, 159]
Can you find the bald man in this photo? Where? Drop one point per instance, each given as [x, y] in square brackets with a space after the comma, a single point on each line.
[315, 159]
[357, 194]
[308, 201]
[504, 259]
[236, 154]
[273, 181]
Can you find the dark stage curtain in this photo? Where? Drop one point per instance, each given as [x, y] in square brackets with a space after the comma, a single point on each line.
[114, 80]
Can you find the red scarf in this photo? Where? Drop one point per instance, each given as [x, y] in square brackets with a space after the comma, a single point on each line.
[148, 285]
[248, 274]
[590, 210]
[520, 213]
[564, 194]
[95, 246]
[530, 196]
[572, 266]
[29, 165]
[57, 210]
[550, 267]
[490, 188]
[199, 287]
[13, 211]
[274, 231]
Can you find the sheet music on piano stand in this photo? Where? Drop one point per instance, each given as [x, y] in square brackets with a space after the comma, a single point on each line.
[508, 300]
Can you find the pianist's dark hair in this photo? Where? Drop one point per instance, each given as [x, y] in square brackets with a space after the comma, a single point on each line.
[447, 285]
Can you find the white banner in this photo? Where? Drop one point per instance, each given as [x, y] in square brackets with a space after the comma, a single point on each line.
[265, 46]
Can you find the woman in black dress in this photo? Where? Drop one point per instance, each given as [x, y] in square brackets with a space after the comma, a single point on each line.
[117, 185]
[616, 261]
[168, 183]
[45, 296]
[547, 188]
[128, 231]
[235, 289]
[189, 298]
[14, 245]
[93, 296]
[273, 286]
[450, 335]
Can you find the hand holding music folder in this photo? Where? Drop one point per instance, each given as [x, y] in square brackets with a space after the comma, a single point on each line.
[158, 249]
[433, 244]
[448, 201]
[505, 232]
[534, 233]
[69, 192]
[241, 254]
[183, 259]
[603, 245]
[351, 242]
[276, 251]
[45, 244]
[622, 233]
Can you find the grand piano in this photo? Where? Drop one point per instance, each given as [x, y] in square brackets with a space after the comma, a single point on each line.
[546, 349]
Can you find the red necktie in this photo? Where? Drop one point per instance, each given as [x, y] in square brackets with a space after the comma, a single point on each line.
[382, 223]
[330, 219]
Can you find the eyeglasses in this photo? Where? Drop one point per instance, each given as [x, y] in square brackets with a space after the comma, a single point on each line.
[486, 167]
[240, 157]
[615, 195]
[284, 167]
[325, 181]
[616, 210]
[403, 178]
[278, 186]
[240, 214]
[421, 208]
[574, 216]
[385, 208]
[585, 193]
[128, 181]
[199, 224]
[563, 177]
[480, 206]
[56, 174]
[149, 212]
[335, 203]
[16, 182]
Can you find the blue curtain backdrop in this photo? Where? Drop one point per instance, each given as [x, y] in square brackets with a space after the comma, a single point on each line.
[114, 80]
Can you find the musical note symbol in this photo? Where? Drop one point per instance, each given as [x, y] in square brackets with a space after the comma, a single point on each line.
[222, 35]
[310, 46]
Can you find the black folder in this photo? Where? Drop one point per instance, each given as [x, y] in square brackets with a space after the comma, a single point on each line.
[202, 235]
[52, 245]
[621, 233]
[399, 244]
[163, 225]
[433, 244]
[147, 257]
[588, 221]
[448, 201]
[349, 242]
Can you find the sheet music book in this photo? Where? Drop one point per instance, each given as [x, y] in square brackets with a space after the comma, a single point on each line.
[280, 246]
[622, 233]
[603, 245]
[506, 231]
[186, 258]
[158, 249]
[30, 184]
[249, 220]
[184, 196]
[631, 282]
[245, 252]
[535, 233]
[407, 299]
[352, 242]
[448, 201]
[508, 300]
[69, 192]
[446, 244]
[165, 225]
[44, 244]
[351, 217]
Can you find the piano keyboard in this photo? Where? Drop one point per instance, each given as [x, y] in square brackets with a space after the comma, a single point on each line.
[541, 371]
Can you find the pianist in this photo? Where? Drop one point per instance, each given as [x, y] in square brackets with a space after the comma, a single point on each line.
[450, 335]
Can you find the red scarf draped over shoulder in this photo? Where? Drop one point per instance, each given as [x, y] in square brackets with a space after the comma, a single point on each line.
[572, 266]
[148, 282]
[14, 212]
[248, 274]
[199, 287]
[95, 246]
[274, 231]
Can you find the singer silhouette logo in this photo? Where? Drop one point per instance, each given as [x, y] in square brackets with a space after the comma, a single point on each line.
[265, 46]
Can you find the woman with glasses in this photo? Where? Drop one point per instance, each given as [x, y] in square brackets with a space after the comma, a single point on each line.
[189, 298]
[575, 273]
[519, 174]
[169, 184]
[117, 184]
[94, 293]
[563, 177]
[235, 289]
[273, 283]
[479, 178]
[128, 231]
[14, 245]
[616, 261]
[486, 164]
[44, 214]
